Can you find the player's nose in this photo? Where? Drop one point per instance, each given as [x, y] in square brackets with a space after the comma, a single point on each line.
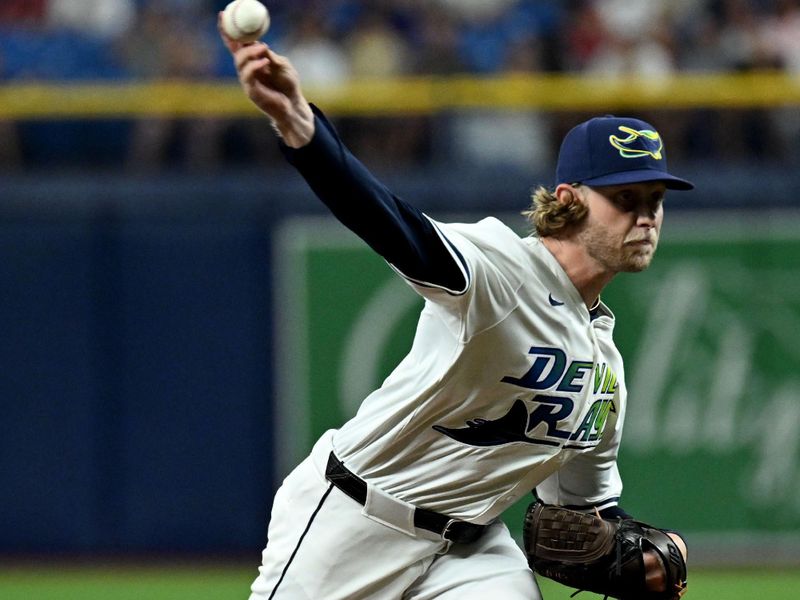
[646, 220]
[646, 214]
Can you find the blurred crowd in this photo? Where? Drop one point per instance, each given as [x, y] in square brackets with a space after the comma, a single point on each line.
[337, 40]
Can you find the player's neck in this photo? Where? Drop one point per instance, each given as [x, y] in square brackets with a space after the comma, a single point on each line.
[587, 275]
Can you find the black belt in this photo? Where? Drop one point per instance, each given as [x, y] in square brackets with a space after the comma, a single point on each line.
[454, 530]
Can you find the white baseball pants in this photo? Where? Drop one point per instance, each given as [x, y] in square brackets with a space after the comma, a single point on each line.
[322, 546]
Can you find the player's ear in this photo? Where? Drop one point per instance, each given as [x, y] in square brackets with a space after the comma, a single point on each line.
[567, 194]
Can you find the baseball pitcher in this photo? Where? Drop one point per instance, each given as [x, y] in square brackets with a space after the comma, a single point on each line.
[512, 384]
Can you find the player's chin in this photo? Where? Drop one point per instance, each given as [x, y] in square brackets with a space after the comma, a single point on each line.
[637, 261]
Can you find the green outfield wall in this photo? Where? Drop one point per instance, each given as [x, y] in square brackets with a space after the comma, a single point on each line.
[710, 338]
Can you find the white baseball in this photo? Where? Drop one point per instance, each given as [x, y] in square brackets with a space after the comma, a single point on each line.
[245, 20]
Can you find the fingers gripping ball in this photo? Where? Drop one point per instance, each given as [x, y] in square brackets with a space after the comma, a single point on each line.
[245, 20]
[606, 557]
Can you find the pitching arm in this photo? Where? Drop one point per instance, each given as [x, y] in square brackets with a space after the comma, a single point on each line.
[399, 232]
[395, 230]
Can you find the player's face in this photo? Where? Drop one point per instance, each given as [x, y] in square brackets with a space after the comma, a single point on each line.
[622, 227]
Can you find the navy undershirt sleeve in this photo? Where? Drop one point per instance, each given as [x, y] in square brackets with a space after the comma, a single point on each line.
[397, 231]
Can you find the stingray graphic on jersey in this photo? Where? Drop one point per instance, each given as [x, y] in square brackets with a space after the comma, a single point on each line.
[484, 432]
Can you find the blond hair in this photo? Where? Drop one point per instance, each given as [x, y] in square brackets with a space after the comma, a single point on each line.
[549, 217]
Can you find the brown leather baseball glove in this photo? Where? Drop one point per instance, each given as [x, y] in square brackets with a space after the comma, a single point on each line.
[586, 552]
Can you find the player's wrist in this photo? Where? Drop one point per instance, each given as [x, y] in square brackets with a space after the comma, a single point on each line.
[296, 127]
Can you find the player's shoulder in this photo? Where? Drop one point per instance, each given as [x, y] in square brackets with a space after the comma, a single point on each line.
[488, 232]
[492, 242]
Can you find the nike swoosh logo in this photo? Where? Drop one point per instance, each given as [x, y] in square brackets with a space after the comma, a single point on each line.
[553, 301]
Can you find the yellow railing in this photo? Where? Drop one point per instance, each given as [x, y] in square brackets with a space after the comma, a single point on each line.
[418, 95]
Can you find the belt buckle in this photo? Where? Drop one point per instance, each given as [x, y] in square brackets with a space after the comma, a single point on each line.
[446, 529]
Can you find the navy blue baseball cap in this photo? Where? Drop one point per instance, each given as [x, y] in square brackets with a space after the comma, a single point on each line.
[612, 151]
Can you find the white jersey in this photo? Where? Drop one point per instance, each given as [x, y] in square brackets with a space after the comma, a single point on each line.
[510, 385]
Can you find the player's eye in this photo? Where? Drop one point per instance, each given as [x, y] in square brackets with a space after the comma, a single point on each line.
[624, 200]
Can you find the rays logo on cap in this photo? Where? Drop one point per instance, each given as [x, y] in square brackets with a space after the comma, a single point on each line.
[613, 150]
[639, 142]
